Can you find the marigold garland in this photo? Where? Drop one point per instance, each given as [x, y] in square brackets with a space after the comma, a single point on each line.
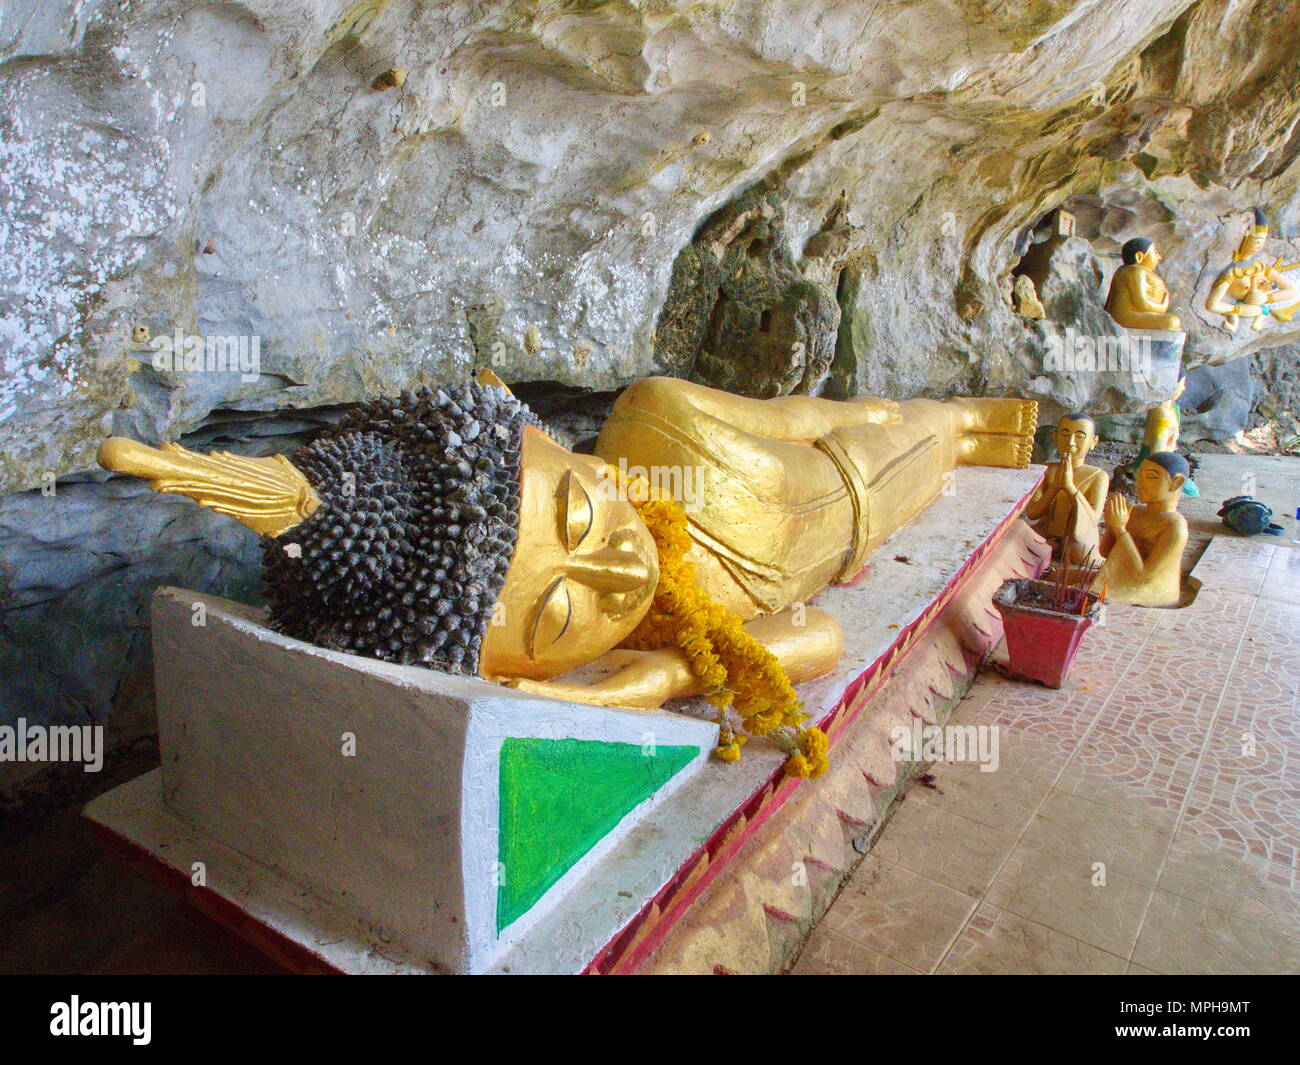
[736, 670]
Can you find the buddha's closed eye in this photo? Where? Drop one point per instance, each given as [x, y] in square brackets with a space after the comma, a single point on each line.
[555, 611]
[552, 619]
[577, 514]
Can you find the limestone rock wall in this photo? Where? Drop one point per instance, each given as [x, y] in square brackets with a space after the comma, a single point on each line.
[771, 195]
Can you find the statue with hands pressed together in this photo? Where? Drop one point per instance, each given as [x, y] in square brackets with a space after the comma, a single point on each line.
[1143, 544]
[1066, 506]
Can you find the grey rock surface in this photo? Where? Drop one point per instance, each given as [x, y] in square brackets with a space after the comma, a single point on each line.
[228, 170]
[1218, 401]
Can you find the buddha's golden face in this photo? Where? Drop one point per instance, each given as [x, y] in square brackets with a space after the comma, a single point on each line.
[1154, 483]
[1074, 439]
[583, 573]
[1149, 258]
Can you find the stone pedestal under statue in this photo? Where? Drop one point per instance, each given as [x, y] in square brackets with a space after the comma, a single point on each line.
[1164, 348]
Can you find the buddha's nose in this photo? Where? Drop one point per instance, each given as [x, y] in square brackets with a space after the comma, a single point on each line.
[616, 568]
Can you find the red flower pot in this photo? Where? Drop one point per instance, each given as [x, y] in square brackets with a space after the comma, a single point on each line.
[1041, 641]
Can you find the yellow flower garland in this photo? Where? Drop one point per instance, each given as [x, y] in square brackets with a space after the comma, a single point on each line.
[736, 670]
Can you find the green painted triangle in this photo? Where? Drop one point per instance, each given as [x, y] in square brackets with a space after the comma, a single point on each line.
[559, 798]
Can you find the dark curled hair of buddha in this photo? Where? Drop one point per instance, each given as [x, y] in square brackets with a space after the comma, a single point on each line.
[1133, 248]
[418, 518]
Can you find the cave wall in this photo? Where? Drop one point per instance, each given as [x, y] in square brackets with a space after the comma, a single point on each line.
[772, 196]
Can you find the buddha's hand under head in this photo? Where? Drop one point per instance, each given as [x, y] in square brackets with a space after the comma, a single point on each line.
[583, 573]
[642, 680]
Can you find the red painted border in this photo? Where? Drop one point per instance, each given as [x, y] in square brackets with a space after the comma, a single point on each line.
[625, 952]
[217, 908]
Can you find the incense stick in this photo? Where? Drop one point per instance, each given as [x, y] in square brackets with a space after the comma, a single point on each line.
[1071, 588]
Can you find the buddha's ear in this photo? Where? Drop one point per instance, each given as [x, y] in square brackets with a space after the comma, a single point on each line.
[1177, 480]
[490, 380]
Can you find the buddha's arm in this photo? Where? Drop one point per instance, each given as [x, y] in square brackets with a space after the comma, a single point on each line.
[1095, 497]
[1044, 496]
[1218, 302]
[1167, 552]
[1123, 559]
[646, 679]
[1285, 289]
[1151, 293]
[1125, 290]
[795, 419]
[1107, 543]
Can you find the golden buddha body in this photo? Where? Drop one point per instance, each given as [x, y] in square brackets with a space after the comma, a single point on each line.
[1253, 289]
[1143, 545]
[1138, 298]
[796, 493]
[1066, 507]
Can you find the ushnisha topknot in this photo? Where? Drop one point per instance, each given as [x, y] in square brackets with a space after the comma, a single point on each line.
[418, 518]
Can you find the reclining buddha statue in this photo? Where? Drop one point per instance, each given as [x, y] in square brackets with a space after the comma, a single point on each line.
[447, 529]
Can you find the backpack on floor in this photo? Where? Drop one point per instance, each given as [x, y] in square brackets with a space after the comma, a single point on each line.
[1248, 516]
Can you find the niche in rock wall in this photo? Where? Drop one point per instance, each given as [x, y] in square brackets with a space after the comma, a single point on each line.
[1058, 276]
[1031, 273]
[741, 314]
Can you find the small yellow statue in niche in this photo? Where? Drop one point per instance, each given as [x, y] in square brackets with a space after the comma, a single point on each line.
[1067, 505]
[447, 529]
[1251, 288]
[1143, 545]
[1138, 298]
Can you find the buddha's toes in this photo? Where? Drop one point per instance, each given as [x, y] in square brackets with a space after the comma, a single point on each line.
[997, 449]
[1013, 416]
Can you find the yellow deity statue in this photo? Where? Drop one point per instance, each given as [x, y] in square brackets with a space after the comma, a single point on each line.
[1066, 507]
[447, 528]
[1138, 298]
[1143, 545]
[1252, 289]
[1161, 432]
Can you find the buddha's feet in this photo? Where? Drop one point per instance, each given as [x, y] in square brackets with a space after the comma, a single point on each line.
[999, 432]
[1015, 416]
[997, 449]
[1018, 417]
